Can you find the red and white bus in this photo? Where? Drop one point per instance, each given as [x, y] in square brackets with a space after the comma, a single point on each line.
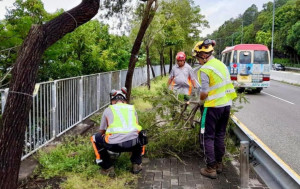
[248, 65]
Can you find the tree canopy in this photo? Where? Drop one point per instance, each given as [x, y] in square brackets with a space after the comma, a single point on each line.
[256, 27]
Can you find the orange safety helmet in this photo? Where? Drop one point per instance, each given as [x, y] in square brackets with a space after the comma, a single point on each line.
[180, 56]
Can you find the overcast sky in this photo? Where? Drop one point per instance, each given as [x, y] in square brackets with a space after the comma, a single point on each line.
[215, 11]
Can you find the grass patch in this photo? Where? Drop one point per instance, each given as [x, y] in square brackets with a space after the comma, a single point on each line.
[74, 160]
[81, 182]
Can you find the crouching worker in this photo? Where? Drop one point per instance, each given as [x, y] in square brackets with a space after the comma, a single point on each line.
[119, 132]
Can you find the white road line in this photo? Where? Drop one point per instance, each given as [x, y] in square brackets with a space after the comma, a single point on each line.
[278, 98]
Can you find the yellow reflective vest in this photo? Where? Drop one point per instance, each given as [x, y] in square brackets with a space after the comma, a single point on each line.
[125, 120]
[221, 90]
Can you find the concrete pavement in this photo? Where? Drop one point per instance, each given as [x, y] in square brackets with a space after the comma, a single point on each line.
[172, 173]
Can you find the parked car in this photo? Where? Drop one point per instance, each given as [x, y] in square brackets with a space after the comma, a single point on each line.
[278, 67]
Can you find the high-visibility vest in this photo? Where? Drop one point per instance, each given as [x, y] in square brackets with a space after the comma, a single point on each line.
[124, 121]
[221, 90]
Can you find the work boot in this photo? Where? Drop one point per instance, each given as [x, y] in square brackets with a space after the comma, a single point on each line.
[219, 167]
[210, 172]
[136, 168]
[108, 172]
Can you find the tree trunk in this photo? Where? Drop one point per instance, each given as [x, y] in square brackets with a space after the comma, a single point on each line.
[19, 100]
[171, 60]
[147, 18]
[148, 67]
[163, 64]
[153, 73]
[174, 58]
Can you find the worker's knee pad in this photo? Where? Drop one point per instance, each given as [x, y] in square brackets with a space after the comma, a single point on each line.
[113, 155]
[99, 161]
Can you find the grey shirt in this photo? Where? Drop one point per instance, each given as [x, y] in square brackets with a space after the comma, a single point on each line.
[182, 77]
[107, 119]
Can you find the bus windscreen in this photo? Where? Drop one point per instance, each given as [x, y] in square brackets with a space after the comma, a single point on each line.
[245, 57]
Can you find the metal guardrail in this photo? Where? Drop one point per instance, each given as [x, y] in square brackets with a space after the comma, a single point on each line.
[292, 69]
[288, 77]
[273, 171]
[61, 104]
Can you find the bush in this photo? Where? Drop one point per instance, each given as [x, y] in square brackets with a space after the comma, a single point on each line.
[286, 62]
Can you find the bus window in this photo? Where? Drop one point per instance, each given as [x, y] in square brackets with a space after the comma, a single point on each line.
[227, 60]
[261, 57]
[224, 57]
[234, 60]
[245, 57]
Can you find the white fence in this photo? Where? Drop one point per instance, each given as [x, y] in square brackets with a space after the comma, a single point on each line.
[61, 104]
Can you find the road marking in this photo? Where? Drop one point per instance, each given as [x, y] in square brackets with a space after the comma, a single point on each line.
[278, 98]
[274, 156]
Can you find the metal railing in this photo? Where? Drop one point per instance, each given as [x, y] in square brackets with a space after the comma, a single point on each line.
[272, 170]
[292, 69]
[61, 104]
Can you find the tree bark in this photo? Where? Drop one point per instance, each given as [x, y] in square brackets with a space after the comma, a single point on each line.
[148, 67]
[163, 63]
[147, 18]
[19, 100]
[153, 73]
[171, 60]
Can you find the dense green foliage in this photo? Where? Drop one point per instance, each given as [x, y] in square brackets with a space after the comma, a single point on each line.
[256, 27]
[89, 49]
[176, 25]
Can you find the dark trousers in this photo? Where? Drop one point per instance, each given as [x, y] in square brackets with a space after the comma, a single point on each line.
[128, 146]
[215, 121]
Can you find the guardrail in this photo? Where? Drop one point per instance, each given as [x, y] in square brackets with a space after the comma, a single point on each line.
[293, 78]
[272, 170]
[61, 104]
[292, 69]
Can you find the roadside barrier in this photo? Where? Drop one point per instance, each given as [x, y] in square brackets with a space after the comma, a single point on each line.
[292, 69]
[293, 78]
[60, 105]
[272, 170]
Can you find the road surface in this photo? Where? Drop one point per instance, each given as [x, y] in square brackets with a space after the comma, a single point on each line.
[274, 117]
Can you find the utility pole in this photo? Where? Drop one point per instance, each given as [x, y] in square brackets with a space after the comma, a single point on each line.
[272, 33]
[242, 30]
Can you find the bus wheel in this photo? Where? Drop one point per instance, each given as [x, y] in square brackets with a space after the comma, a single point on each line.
[240, 90]
[257, 90]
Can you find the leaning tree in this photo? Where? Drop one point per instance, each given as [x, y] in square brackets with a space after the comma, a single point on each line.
[24, 73]
[148, 16]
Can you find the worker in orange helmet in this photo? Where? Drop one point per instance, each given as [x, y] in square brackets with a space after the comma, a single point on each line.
[182, 78]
